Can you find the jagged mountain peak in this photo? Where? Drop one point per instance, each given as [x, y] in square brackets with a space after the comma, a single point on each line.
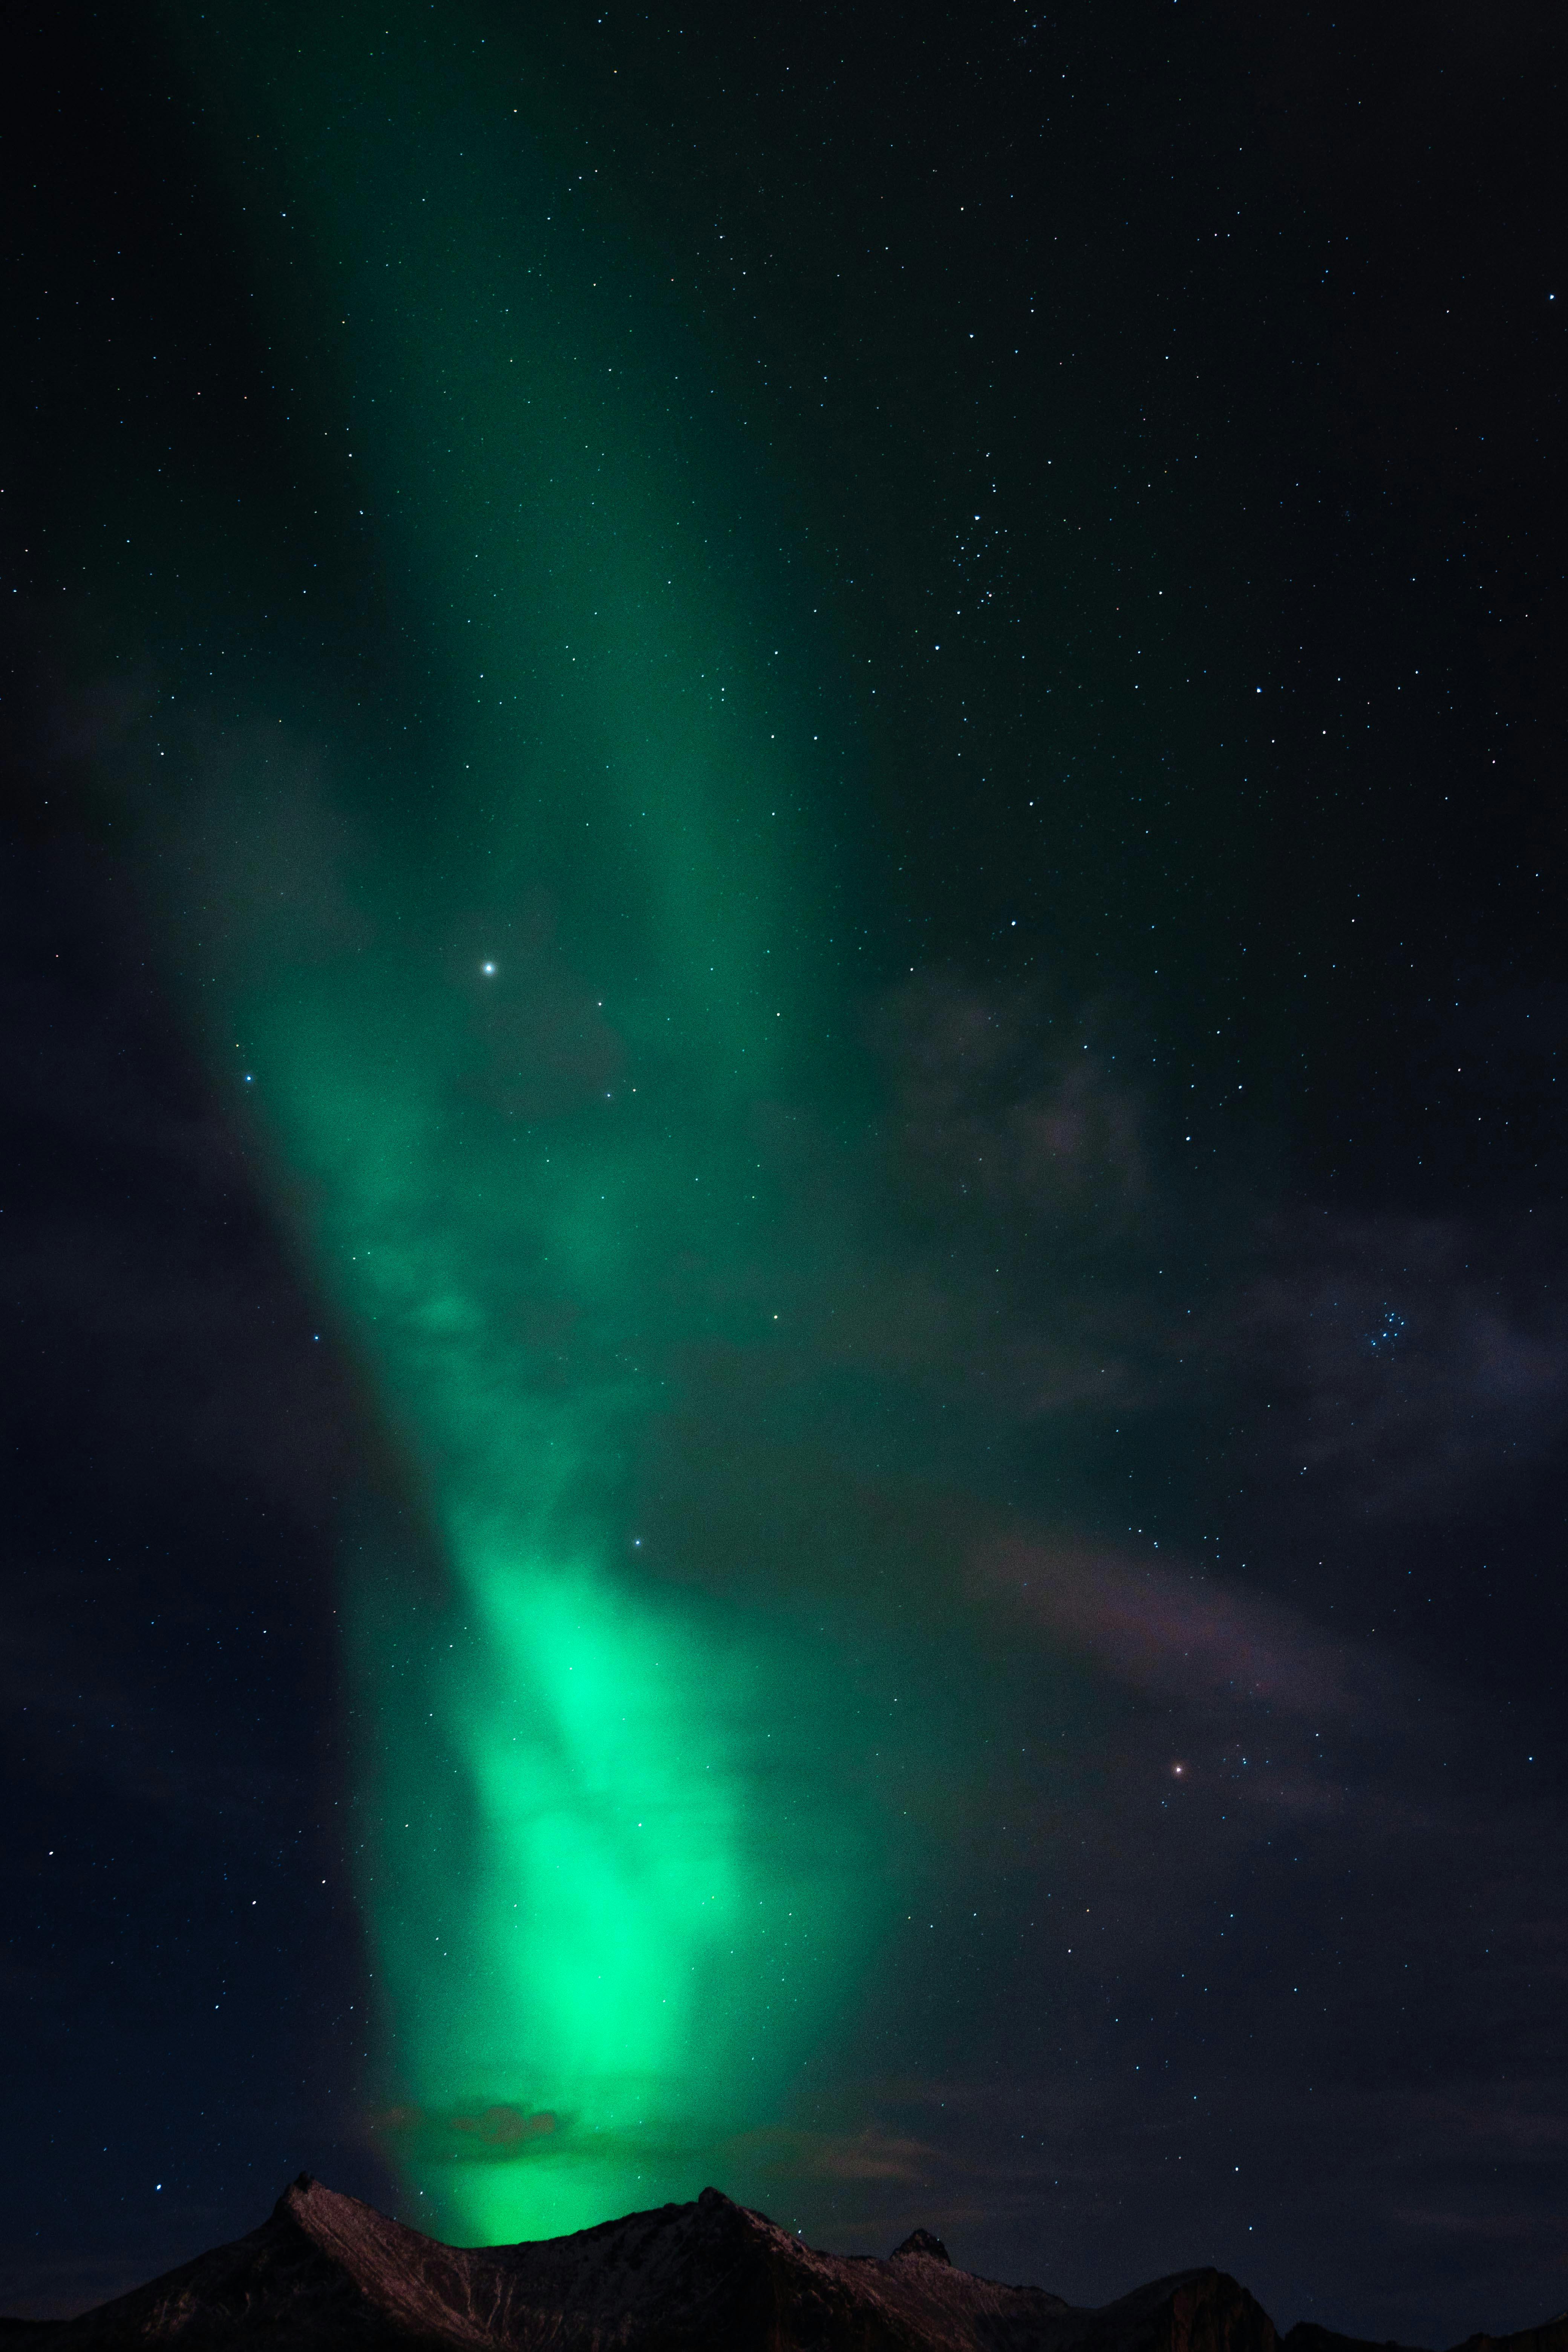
[920, 2242]
[325, 2272]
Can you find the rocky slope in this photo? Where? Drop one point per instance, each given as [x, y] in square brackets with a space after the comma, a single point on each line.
[325, 2273]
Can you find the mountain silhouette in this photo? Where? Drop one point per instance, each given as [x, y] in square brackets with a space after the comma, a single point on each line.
[326, 2273]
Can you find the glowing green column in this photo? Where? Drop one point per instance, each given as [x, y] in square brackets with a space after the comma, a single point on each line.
[618, 1882]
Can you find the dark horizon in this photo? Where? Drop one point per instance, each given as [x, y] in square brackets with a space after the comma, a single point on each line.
[707, 2265]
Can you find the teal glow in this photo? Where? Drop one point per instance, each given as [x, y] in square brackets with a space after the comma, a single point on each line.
[513, 1001]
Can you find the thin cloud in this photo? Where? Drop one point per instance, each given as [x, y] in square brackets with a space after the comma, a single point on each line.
[1175, 1632]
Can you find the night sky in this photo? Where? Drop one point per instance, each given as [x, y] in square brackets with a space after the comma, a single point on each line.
[786, 1073]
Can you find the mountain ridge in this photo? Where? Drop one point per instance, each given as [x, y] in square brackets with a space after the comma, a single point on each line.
[325, 2272]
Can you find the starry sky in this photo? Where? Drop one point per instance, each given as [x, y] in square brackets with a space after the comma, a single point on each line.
[783, 1205]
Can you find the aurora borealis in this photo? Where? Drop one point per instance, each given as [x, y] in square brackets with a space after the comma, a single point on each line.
[618, 1877]
[782, 993]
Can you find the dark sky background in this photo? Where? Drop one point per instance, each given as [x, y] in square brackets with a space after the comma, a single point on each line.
[1164, 405]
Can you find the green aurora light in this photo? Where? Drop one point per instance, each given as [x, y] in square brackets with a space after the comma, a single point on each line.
[509, 1008]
